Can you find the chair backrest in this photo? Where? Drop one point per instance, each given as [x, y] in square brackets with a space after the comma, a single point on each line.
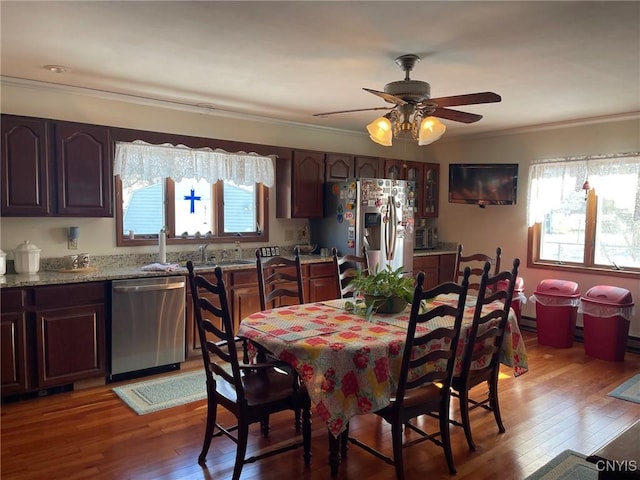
[489, 320]
[279, 280]
[348, 267]
[218, 345]
[443, 339]
[476, 263]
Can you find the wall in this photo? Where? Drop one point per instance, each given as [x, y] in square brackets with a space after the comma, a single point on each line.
[482, 230]
[478, 229]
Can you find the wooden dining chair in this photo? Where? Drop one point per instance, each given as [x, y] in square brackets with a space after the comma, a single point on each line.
[425, 375]
[279, 280]
[476, 263]
[250, 392]
[347, 267]
[481, 358]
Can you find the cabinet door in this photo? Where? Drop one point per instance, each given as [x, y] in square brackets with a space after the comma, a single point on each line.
[13, 353]
[394, 169]
[307, 184]
[367, 167]
[25, 167]
[322, 282]
[414, 174]
[70, 344]
[244, 301]
[428, 264]
[338, 167]
[447, 267]
[430, 191]
[191, 329]
[84, 173]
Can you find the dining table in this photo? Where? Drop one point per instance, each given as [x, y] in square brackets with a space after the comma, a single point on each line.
[350, 363]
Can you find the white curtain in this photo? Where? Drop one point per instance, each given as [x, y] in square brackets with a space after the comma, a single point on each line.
[552, 179]
[139, 160]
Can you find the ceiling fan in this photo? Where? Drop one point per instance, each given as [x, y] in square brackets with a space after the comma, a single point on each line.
[413, 98]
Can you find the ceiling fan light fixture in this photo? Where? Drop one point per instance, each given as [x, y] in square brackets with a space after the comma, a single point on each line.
[381, 131]
[431, 129]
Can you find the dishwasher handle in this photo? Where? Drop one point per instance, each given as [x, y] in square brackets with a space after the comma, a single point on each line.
[148, 288]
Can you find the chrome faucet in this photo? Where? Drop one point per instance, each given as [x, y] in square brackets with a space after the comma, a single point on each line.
[203, 252]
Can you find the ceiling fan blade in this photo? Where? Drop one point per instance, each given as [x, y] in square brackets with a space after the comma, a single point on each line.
[456, 115]
[388, 97]
[469, 99]
[325, 114]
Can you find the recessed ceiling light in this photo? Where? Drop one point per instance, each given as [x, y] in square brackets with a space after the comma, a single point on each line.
[56, 68]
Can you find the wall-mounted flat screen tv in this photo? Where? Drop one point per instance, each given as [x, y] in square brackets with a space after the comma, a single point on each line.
[483, 183]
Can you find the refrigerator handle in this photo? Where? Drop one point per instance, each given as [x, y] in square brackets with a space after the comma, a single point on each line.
[392, 229]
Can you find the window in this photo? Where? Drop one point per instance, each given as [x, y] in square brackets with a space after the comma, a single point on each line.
[172, 187]
[585, 212]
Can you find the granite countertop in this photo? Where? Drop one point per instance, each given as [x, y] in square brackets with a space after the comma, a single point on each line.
[53, 277]
[434, 251]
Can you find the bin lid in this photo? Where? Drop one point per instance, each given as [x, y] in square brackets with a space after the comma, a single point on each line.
[558, 288]
[608, 295]
[519, 284]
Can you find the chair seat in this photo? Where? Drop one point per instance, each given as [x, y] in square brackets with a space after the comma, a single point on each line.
[429, 394]
[260, 387]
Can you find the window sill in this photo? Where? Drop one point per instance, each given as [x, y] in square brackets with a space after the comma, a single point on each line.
[566, 267]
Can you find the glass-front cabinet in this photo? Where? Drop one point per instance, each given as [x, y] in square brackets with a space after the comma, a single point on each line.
[430, 190]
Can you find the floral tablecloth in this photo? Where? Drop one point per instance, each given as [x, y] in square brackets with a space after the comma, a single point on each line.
[349, 364]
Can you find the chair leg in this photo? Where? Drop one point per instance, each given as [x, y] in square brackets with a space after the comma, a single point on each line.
[306, 432]
[344, 442]
[212, 409]
[264, 426]
[445, 434]
[243, 436]
[495, 405]
[464, 414]
[396, 439]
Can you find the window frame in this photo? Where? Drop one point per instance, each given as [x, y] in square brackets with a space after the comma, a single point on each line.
[588, 265]
[262, 192]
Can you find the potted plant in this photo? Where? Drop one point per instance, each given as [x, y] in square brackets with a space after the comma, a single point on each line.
[384, 291]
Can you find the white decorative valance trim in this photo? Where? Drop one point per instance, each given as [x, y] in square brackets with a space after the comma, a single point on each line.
[140, 161]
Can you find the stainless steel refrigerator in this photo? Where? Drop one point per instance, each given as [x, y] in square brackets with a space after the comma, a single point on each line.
[376, 213]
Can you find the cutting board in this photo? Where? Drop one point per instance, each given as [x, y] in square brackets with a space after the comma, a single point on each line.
[78, 270]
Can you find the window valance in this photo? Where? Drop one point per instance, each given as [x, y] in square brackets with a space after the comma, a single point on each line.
[140, 161]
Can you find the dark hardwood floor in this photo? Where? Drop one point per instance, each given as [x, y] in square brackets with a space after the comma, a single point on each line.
[561, 403]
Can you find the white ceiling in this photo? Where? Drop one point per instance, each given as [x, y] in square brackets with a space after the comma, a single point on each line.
[550, 61]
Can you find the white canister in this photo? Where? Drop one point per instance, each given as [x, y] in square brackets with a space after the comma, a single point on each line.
[26, 258]
[3, 263]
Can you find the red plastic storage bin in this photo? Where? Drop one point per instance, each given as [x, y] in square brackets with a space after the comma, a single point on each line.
[518, 296]
[556, 311]
[606, 312]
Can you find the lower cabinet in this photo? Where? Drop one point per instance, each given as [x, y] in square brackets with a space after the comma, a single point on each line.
[438, 268]
[322, 282]
[52, 336]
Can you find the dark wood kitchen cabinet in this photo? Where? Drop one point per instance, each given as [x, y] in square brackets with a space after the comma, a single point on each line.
[430, 189]
[25, 167]
[55, 168]
[13, 343]
[322, 282]
[84, 180]
[299, 180]
[340, 167]
[52, 336]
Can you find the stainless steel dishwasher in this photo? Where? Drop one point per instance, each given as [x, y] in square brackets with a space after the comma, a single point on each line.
[147, 326]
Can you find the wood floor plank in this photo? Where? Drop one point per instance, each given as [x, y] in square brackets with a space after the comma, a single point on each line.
[561, 403]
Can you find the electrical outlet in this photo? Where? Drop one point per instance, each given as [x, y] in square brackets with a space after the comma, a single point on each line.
[72, 244]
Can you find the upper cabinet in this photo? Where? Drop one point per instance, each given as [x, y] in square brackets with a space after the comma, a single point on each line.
[339, 167]
[430, 189]
[25, 167]
[83, 168]
[299, 185]
[367, 167]
[394, 169]
[52, 168]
